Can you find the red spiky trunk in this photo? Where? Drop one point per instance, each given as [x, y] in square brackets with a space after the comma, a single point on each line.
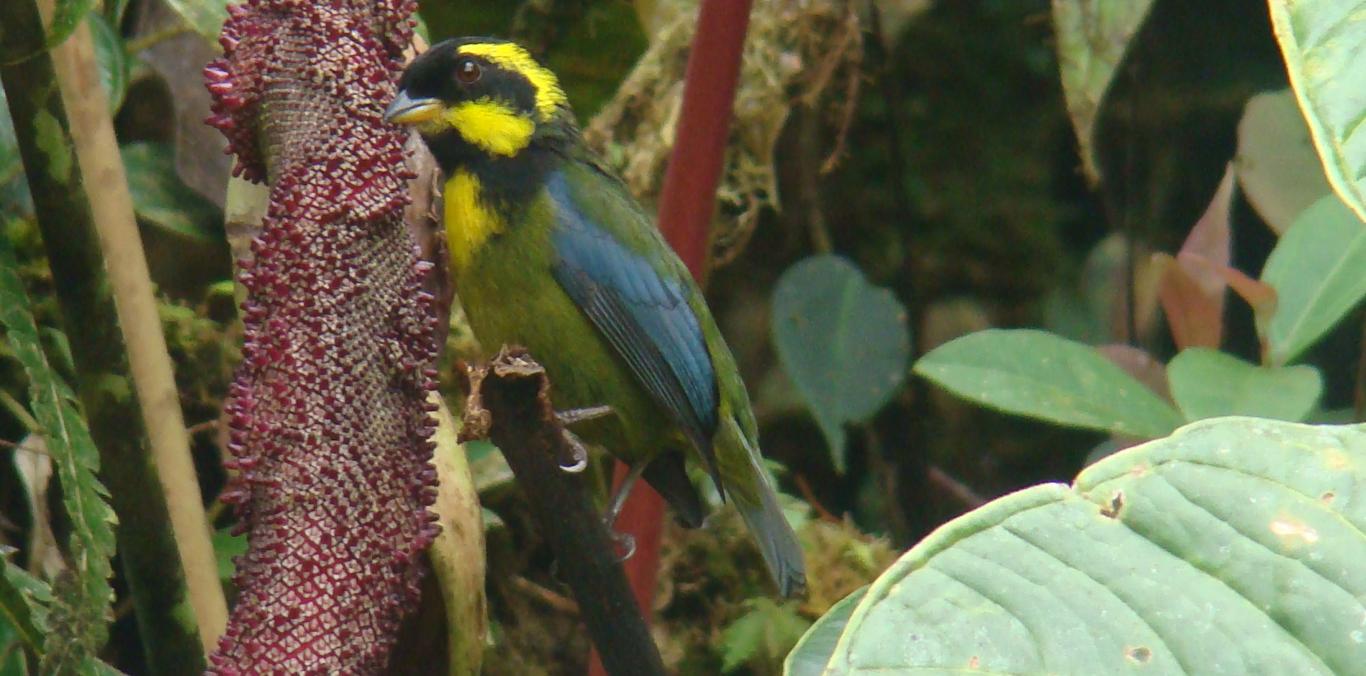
[330, 430]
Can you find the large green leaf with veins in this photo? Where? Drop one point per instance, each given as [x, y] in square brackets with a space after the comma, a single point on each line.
[1092, 37]
[1322, 41]
[1234, 546]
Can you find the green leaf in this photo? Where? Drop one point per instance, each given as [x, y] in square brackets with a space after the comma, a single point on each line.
[1092, 38]
[1277, 167]
[112, 59]
[12, 654]
[1322, 42]
[160, 198]
[11, 165]
[1040, 375]
[762, 635]
[1207, 383]
[100, 668]
[24, 603]
[843, 341]
[1232, 547]
[206, 17]
[114, 11]
[77, 462]
[66, 16]
[420, 29]
[741, 641]
[1317, 271]
[813, 651]
[226, 548]
[490, 468]
[114, 75]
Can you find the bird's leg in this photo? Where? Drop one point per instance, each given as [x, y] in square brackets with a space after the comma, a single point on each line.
[619, 498]
[625, 543]
[578, 415]
[578, 460]
[578, 452]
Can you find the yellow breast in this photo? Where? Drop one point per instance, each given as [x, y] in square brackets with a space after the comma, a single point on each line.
[469, 222]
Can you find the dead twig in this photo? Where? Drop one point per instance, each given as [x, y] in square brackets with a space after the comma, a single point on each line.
[550, 598]
[810, 497]
[960, 491]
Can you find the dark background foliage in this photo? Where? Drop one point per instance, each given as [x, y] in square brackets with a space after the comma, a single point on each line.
[958, 188]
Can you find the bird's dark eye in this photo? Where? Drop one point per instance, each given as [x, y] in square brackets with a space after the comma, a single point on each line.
[467, 71]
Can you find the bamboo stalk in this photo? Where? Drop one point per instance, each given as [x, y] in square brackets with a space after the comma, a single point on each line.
[92, 133]
[457, 554]
[57, 178]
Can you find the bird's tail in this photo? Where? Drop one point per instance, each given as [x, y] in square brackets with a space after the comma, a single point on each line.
[748, 486]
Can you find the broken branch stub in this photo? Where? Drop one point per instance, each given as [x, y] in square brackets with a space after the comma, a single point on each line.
[509, 403]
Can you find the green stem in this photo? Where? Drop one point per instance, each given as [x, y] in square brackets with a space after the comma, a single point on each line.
[16, 409]
[140, 43]
[1359, 392]
[8, 175]
[151, 561]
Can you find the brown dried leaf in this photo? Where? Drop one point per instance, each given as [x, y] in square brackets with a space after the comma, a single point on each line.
[1139, 364]
[1193, 284]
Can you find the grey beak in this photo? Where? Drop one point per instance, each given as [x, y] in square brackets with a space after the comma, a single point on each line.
[406, 110]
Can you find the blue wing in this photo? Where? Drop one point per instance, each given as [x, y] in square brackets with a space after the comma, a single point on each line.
[643, 315]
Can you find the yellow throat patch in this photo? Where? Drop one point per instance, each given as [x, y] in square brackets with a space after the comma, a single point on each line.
[549, 95]
[469, 222]
[491, 125]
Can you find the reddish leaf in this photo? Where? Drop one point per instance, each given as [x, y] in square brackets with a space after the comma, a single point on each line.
[1193, 284]
[1258, 294]
[1194, 318]
[1209, 237]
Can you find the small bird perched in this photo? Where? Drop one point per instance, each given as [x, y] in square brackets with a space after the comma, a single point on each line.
[549, 251]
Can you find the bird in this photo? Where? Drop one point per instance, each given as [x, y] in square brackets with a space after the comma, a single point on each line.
[549, 250]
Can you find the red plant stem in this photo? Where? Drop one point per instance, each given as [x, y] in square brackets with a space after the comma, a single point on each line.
[689, 197]
[685, 212]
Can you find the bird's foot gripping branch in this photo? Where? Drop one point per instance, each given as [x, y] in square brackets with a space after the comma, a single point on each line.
[329, 423]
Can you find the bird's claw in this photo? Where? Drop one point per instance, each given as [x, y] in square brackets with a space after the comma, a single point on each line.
[623, 543]
[577, 459]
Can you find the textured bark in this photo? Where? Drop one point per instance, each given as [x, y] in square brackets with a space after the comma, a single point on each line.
[509, 402]
[330, 427]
